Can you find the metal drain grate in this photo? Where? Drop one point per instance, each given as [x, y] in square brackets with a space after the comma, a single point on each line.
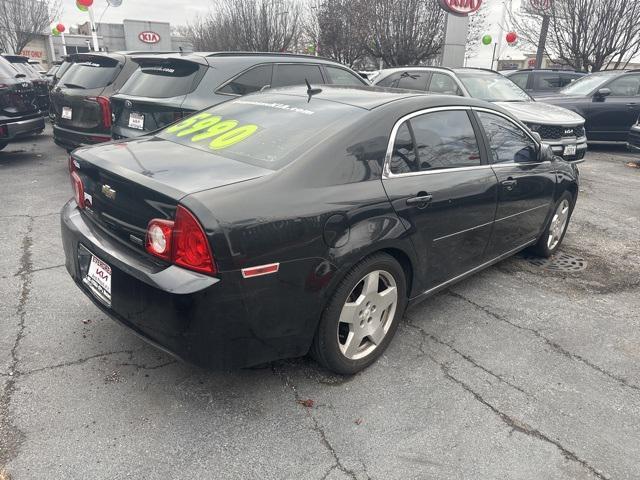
[560, 262]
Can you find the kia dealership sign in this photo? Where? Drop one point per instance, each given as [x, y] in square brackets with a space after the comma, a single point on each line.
[149, 37]
[461, 7]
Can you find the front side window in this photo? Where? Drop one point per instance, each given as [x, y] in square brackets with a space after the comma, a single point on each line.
[626, 86]
[439, 140]
[442, 83]
[296, 74]
[250, 81]
[520, 79]
[507, 141]
[340, 76]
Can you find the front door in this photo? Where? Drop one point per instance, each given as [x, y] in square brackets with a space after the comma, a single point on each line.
[526, 186]
[440, 186]
[610, 118]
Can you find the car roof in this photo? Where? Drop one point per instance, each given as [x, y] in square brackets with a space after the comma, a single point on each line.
[560, 70]
[16, 58]
[370, 98]
[204, 58]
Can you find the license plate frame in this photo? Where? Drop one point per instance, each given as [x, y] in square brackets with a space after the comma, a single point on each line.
[98, 279]
[570, 150]
[67, 113]
[136, 120]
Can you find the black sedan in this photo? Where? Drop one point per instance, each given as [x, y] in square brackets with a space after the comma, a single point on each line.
[300, 220]
[608, 100]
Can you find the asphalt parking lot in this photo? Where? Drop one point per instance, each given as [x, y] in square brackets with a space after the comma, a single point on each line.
[525, 371]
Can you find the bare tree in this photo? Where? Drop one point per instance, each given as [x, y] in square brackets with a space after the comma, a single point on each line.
[23, 20]
[477, 27]
[586, 34]
[343, 30]
[251, 25]
[404, 32]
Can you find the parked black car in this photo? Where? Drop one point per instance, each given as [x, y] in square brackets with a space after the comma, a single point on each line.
[19, 113]
[609, 101]
[538, 83]
[40, 84]
[633, 142]
[81, 110]
[168, 87]
[299, 219]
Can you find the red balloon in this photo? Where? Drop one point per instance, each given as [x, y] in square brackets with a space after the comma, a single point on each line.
[512, 37]
[60, 28]
[85, 3]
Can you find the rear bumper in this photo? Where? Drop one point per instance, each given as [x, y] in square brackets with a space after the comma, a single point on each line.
[22, 128]
[118, 132]
[71, 139]
[212, 322]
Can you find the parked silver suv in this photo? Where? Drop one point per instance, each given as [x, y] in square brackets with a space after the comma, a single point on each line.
[562, 129]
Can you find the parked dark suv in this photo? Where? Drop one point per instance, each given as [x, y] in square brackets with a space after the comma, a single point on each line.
[167, 87]
[608, 100]
[40, 83]
[543, 82]
[80, 107]
[19, 113]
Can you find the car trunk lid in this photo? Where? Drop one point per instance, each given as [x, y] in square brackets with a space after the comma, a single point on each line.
[129, 183]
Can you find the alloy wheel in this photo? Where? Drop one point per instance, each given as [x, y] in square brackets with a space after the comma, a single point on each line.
[367, 314]
[558, 224]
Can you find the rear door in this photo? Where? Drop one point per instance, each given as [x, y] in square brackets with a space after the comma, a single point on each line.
[154, 95]
[526, 186]
[74, 100]
[439, 184]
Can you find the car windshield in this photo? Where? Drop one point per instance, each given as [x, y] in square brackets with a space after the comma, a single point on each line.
[258, 129]
[586, 85]
[492, 87]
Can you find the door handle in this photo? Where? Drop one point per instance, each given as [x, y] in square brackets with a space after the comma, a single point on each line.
[421, 200]
[509, 183]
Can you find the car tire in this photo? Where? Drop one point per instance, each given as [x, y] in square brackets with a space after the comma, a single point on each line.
[362, 316]
[554, 232]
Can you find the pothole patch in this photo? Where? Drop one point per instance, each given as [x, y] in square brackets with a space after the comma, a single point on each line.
[560, 262]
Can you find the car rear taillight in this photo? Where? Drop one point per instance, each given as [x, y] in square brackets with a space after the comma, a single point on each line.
[3, 131]
[181, 242]
[105, 109]
[78, 189]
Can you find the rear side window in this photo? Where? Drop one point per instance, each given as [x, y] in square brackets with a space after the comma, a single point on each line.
[95, 73]
[340, 76]
[391, 81]
[270, 130]
[296, 74]
[415, 80]
[548, 81]
[507, 141]
[253, 80]
[441, 140]
[164, 80]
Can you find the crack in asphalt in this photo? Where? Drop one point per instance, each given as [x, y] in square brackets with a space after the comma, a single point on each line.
[519, 426]
[31, 217]
[42, 269]
[556, 346]
[466, 357]
[316, 427]
[10, 436]
[70, 363]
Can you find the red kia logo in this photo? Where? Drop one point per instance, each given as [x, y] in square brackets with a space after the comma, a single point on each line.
[149, 37]
[461, 7]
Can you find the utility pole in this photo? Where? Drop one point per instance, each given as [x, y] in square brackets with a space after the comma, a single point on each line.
[543, 40]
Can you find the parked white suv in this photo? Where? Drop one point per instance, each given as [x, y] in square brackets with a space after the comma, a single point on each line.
[562, 129]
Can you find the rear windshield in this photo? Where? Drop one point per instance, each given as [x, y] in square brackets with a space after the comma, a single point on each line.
[94, 73]
[162, 80]
[257, 129]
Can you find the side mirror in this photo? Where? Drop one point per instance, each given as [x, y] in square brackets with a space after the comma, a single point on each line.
[603, 93]
[546, 153]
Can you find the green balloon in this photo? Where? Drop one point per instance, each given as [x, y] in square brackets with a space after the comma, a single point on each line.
[55, 31]
[82, 8]
[487, 40]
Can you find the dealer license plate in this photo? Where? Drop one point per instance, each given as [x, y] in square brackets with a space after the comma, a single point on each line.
[136, 120]
[67, 113]
[98, 279]
[570, 150]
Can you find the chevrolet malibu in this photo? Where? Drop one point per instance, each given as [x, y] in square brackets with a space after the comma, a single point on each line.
[306, 220]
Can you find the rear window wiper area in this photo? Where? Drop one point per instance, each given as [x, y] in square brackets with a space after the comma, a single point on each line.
[20, 75]
[73, 85]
